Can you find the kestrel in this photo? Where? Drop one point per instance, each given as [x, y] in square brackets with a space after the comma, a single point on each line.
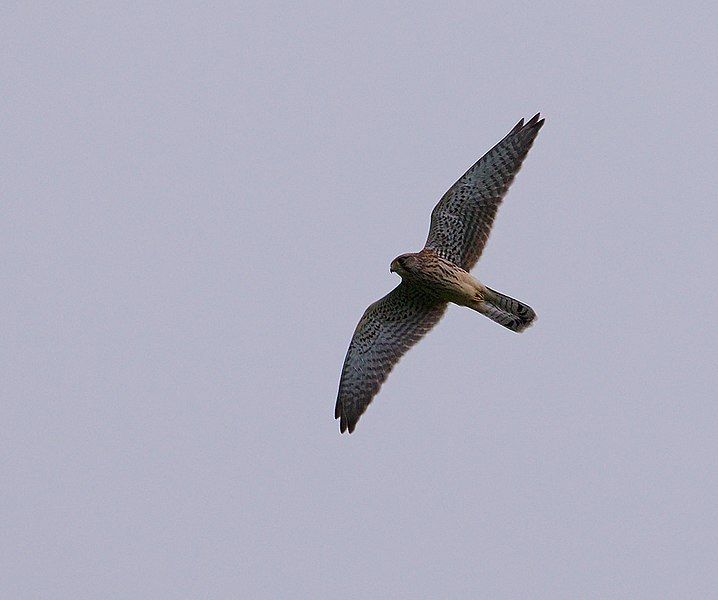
[439, 274]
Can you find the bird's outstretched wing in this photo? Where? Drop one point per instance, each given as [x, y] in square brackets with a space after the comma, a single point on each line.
[386, 331]
[461, 221]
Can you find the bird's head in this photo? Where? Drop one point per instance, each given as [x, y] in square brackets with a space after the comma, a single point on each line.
[403, 264]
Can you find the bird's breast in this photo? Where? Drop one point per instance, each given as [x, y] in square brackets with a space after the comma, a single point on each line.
[447, 280]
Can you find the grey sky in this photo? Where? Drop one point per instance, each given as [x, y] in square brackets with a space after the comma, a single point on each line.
[198, 205]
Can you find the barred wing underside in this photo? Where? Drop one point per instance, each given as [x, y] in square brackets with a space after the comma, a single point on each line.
[386, 331]
[462, 220]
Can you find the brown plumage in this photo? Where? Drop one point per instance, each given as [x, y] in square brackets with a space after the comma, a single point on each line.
[460, 225]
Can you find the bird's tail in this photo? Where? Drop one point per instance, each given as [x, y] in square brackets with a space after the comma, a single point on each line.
[506, 311]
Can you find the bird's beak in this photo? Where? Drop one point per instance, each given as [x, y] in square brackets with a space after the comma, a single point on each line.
[391, 268]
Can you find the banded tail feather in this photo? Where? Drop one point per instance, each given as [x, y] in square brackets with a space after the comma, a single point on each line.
[506, 311]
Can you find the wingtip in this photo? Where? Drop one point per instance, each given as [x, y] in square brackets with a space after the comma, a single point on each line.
[518, 126]
[347, 420]
[339, 414]
[346, 425]
[344, 422]
[536, 121]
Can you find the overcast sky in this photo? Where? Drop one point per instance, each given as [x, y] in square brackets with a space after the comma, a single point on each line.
[198, 204]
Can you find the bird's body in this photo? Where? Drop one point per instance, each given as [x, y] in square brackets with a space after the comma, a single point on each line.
[437, 275]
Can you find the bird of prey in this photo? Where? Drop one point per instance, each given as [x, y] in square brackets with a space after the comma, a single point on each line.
[439, 274]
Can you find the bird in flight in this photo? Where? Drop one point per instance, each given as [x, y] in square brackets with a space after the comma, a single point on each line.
[439, 274]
